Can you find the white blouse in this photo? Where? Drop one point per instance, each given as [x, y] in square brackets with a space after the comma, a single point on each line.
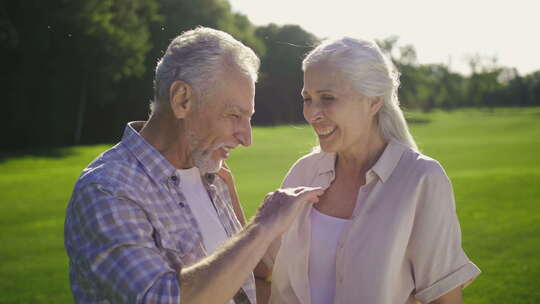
[402, 244]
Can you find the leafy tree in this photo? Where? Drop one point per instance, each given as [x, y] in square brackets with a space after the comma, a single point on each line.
[67, 60]
[278, 93]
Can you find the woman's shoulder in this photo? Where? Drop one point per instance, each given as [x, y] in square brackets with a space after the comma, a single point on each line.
[314, 161]
[421, 165]
[314, 157]
[307, 166]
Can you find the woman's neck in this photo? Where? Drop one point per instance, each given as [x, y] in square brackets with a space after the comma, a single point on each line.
[356, 162]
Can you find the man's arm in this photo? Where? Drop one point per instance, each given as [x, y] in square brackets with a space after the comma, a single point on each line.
[261, 272]
[111, 237]
[110, 241]
[218, 277]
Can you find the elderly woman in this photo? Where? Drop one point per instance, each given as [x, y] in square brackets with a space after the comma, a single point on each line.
[385, 230]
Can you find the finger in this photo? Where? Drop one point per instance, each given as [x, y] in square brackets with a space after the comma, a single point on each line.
[269, 195]
[224, 165]
[316, 190]
[311, 195]
[298, 190]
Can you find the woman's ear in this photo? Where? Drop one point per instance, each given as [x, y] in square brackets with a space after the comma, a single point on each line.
[375, 104]
[181, 98]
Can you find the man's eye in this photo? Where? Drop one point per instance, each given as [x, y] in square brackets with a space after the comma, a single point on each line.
[306, 100]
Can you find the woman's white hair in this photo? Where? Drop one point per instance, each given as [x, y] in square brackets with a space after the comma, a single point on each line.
[199, 57]
[372, 75]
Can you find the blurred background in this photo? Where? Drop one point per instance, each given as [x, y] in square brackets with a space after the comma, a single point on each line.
[74, 72]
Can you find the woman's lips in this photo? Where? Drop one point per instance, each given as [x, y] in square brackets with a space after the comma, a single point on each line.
[325, 133]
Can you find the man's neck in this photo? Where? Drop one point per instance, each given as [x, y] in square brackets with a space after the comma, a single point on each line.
[167, 135]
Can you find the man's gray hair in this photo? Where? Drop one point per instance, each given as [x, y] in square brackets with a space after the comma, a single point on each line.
[373, 75]
[199, 57]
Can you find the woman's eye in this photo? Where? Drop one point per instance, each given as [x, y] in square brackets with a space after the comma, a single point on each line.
[327, 98]
[235, 116]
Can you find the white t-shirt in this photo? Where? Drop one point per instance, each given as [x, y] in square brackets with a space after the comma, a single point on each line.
[212, 230]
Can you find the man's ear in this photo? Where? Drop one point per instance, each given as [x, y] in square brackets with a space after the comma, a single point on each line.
[181, 98]
[376, 104]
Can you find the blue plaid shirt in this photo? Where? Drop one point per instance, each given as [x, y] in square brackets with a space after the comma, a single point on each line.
[129, 229]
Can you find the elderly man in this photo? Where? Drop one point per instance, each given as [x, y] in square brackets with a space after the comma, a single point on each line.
[149, 221]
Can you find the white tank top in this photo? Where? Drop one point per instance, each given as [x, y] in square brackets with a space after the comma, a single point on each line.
[326, 232]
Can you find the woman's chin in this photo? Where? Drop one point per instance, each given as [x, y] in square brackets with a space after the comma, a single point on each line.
[326, 147]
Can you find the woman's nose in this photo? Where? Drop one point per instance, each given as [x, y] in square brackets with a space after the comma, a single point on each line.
[312, 112]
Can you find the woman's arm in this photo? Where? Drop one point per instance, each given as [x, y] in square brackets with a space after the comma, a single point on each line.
[226, 174]
[452, 297]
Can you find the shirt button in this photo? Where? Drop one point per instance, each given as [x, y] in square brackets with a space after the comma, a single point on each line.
[181, 204]
[174, 178]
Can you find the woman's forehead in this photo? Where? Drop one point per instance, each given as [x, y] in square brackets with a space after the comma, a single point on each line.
[321, 78]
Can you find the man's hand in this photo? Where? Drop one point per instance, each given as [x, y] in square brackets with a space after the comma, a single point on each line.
[282, 206]
[216, 278]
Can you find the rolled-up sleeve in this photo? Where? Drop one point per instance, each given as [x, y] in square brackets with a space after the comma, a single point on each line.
[439, 263]
[111, 238]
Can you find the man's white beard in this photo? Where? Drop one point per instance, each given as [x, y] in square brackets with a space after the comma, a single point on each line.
[205, 163]
[202, 160]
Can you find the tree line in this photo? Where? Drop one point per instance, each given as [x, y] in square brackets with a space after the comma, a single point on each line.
[74, 72]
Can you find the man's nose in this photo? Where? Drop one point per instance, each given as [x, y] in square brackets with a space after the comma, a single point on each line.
[243, 133]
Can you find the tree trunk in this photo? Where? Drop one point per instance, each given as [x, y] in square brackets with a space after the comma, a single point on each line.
[82, 108]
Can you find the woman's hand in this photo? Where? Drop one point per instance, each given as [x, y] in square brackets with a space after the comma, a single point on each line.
[226, 174]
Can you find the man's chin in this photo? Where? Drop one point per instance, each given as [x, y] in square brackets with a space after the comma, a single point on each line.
[209, 166]
[217, 166]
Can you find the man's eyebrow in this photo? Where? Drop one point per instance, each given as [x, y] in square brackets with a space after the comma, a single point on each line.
[238, 109]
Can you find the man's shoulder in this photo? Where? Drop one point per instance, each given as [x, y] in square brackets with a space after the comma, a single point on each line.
[116, 167]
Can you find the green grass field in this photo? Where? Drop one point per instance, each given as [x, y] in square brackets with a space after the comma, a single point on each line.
[492, 157]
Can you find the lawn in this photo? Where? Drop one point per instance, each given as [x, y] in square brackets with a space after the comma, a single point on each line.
[492, 158]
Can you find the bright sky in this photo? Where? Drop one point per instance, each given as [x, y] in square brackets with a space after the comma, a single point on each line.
[441, 31]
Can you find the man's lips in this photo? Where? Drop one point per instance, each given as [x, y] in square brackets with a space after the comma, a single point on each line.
[224, 151]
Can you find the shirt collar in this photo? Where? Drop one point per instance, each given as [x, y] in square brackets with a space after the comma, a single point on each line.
[152, 160]
[157, 166]
[388, 160]
[327, 162]
[383, 168]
